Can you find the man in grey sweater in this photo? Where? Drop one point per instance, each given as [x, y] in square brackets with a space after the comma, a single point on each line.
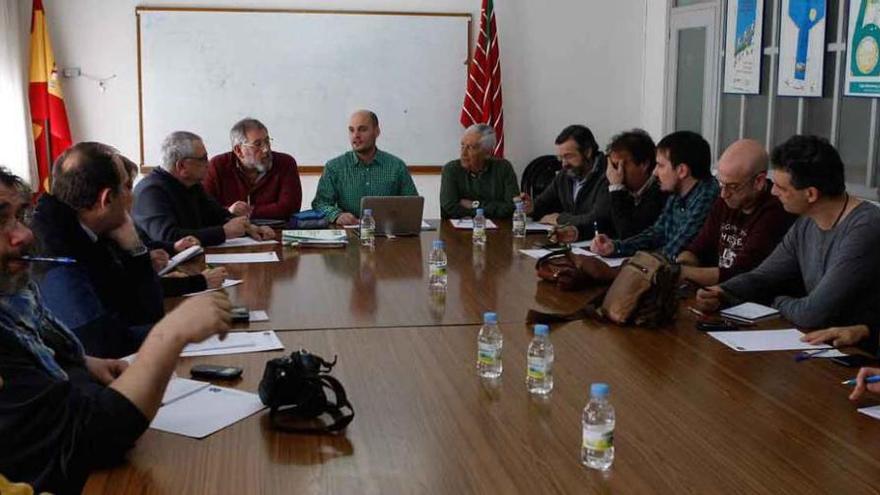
[830, 250]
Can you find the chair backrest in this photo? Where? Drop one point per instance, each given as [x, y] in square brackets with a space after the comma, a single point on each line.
[539, 174]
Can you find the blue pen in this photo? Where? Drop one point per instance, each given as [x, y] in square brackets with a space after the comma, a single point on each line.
[595, 228]
[45, 259]
[870, 379]
[802, 356]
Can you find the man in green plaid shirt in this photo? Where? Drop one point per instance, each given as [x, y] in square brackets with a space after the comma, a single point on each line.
[364, 171]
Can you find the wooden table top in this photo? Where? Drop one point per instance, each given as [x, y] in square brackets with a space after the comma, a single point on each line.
[693, 416]
[355, 287]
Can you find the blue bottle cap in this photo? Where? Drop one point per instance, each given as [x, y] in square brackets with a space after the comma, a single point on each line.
[438, 244]
[479, 211]
[490, 317]
[518, 204]
[543, 330]
[599, 390]
[368, 211]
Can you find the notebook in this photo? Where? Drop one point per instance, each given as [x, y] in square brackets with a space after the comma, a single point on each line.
[749, 312]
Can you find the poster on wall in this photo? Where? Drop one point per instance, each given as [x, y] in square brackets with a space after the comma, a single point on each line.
[863, 49]
[742, 61]
[801, 47]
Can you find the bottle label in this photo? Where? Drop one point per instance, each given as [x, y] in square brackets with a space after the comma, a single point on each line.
[598, 440]
[519, 225]
[438, 270]
[366, 233]
[487, 354]
[537, 368]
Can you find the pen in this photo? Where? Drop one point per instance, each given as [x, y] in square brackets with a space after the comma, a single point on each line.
[803, 356]
[46, 259]
[870, 379]
[595, 228]
[696, 311]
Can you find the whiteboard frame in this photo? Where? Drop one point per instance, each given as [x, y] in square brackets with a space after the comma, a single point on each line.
[306, 168]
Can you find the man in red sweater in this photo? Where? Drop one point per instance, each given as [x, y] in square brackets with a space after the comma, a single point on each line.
[745, 223]
[252, 180]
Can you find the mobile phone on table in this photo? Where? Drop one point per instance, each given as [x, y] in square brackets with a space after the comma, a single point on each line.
[215, 372]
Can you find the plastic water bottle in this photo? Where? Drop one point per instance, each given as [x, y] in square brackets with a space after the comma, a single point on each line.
[489, 345]
[597, 450]
[519, 220]
[368, 229]
[480, 228]
[437, 279]
[539, 372]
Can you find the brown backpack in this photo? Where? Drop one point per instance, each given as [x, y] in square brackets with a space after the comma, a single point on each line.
[642, 294]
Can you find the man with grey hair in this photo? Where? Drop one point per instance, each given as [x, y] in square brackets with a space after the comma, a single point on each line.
[170, 204]
[477, 176]
[252, 180]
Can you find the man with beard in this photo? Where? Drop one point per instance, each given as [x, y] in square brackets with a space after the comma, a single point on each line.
[252, 180]
[363, 171]
[579, 194]
[62, 412]
[171, 204]
[683, 168]
[478, 177]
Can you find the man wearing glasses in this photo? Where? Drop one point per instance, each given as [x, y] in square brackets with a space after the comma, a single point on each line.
[745, 223]
[252, 180]
[170, 203]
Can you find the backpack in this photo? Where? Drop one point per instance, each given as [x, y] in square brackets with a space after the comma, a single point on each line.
[644, 294]
[538, 174]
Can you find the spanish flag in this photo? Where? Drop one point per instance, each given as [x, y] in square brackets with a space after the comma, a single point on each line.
[48, 117]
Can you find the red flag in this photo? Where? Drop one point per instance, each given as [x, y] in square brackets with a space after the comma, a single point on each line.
[48, 116]
[482, 100]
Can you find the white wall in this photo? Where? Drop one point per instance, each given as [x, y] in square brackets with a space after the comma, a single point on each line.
[563, 62]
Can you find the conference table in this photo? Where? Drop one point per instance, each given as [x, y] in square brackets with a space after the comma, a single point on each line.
[693, 416]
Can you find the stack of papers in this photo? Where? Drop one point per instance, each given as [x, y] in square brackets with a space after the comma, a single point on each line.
[317, 238]
[468, 223]
[244, 242]
[765, 340]
[185, 255]
[538, 253]
[538, 227]
[234, 343]
[197, 409]
[221, 259]
[749, 312]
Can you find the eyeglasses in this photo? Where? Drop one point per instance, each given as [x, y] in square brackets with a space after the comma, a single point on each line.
[261, 144]
[23, 216]
[471, 147]
[736, 186]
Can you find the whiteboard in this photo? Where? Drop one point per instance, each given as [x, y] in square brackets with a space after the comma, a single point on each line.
[302, 74]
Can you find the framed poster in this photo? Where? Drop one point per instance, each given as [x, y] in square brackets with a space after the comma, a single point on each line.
[801, 47]
[863, 49]
[742, 47]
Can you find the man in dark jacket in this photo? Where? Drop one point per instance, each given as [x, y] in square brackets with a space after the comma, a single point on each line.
[62, 412]
[578, 194]
[110, 296]
[171, 204]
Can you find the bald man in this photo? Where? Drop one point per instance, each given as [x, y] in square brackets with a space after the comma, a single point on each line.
[745, 223]
[363, 171]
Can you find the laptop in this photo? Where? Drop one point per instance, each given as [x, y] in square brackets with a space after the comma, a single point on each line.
[395, 215]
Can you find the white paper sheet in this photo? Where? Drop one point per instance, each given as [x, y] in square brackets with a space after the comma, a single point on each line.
[226, 284]
[749, 311]
[209, 410]
[244, 242]
[873, 411]
[181, 387]
[468, 223]
[534, 253]
[235, 343]
[220, 259]
[765, 340]
[612, 262]
[257, 316]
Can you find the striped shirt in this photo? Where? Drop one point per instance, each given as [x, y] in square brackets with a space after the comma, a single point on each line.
[681, 220]
[346, 180]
